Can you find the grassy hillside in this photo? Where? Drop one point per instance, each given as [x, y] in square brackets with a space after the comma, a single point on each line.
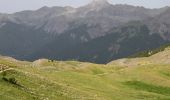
[151, 52]
[124, 79]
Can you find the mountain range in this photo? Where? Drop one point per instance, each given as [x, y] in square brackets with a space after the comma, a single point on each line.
[98, 32]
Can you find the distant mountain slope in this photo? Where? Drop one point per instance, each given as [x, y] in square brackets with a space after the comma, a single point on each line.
[161, 24]
[122, 42]
[19, 41]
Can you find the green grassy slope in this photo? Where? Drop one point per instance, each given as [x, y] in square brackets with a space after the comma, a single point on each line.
[130, 79]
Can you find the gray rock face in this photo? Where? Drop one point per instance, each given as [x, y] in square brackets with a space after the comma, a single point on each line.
[99, 16]
[160, 24]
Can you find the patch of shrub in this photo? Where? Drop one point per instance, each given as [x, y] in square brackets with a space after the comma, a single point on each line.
[50, 60]
[4, 78]
[4, 74]
[12, 80]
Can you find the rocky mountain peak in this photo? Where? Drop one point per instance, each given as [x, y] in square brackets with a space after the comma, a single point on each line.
[99, 4]
[100, 1]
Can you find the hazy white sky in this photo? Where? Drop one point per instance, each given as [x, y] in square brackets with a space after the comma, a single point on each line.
[10, 6]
